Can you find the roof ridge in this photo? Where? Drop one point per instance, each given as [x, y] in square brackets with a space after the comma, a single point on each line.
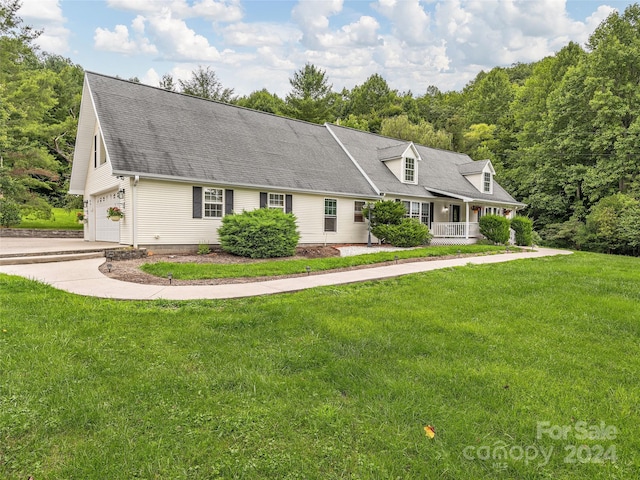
[240, 107]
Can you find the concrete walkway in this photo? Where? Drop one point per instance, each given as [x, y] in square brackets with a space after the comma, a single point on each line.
[83, 278]
[31, 246]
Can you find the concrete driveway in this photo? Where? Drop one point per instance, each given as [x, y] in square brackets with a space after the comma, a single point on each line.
[15, 246]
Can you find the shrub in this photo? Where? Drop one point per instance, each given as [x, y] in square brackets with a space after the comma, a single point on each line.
[9, 213]
[495, 228]
[385, 212]
[523, 226]
[262, 233]
[408, 233]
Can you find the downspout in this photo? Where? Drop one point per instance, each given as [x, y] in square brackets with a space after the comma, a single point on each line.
[134, 209]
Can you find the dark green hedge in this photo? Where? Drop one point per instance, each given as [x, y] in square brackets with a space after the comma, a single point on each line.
[262, 233]
[523, 226]
[495, 228]
[408, 233]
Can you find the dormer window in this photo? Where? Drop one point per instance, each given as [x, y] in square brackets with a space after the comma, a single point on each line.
[486, 183]
[410, 170]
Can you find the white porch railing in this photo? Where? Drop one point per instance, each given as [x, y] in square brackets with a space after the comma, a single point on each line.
[455, 229]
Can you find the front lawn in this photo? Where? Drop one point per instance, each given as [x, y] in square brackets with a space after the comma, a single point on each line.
[62, 220]
[274, 267]
[537, 359]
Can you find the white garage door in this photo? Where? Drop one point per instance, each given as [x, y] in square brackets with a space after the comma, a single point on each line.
[106, 230]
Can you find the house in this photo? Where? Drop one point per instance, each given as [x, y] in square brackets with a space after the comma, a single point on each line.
[176, 164]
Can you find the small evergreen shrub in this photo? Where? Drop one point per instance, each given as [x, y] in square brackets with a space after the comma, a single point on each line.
[523, 226]
[495, 228]
[262, 233]
[9, 213]
[385, 212]
[408, 233]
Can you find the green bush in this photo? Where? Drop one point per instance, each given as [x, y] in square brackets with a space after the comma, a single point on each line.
[9, 213]
[523, 226]
[262, 233]
[408, 233]
[385, 212]
[495, 228]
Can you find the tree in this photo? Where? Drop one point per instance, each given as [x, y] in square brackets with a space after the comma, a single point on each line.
[423, 133]
[614, 226]
[39, 103]
[264, 101]
[168, 83]
[204, 83]
[311, 98]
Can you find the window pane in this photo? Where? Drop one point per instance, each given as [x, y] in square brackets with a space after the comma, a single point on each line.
[409, 169]
[276, 200]
[330, 224]
[330, 206]
[424, 218]
[357, 212]
[213, 202]
[415, 210]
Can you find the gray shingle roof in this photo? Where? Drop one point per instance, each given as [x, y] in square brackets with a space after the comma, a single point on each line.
[153, 132]
[150, 131]
[394, 151]
[472, 167]
[439, 169]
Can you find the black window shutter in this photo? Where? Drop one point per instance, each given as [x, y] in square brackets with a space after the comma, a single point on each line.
[263, 199]
[197, 202]
[430, 214]
[228, 202]
[288, 203]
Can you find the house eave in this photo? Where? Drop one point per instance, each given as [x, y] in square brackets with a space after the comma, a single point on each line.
[473, 199]
[203, 181]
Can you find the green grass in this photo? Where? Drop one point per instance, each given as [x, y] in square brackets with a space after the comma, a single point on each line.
[62, 220]
[328, 383]
[196, 271]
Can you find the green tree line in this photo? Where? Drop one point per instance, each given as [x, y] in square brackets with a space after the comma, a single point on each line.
[563, 133]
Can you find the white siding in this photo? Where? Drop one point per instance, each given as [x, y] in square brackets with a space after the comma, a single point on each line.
[476, 180]
[396, 168]
[165, 210]
[99, 181]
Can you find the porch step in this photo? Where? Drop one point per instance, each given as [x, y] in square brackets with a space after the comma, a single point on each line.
[50, 257]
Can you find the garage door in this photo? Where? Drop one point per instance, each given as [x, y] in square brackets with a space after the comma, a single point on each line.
[106, 230]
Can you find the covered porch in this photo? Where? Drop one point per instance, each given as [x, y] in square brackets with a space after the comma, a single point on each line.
[456, 222]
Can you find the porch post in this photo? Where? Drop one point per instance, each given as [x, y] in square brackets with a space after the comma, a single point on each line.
[466, 227]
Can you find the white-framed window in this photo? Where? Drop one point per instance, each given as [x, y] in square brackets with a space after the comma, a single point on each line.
[409, 169]
[486, 182]
[358, 217]
[276, 200]
[99, 151]
[330, 215]
[213, 202]
[417, 210]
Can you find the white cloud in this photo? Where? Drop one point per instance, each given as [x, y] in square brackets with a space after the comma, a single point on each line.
[500, 32]
[177, 41]
[313, 19]
[260, 34]
[151, 77]
[119, 40]
[409, 19]
[47, 15]
[411, 43]
[212, 10]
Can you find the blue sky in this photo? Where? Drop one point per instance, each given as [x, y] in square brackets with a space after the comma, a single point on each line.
[260, 44]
